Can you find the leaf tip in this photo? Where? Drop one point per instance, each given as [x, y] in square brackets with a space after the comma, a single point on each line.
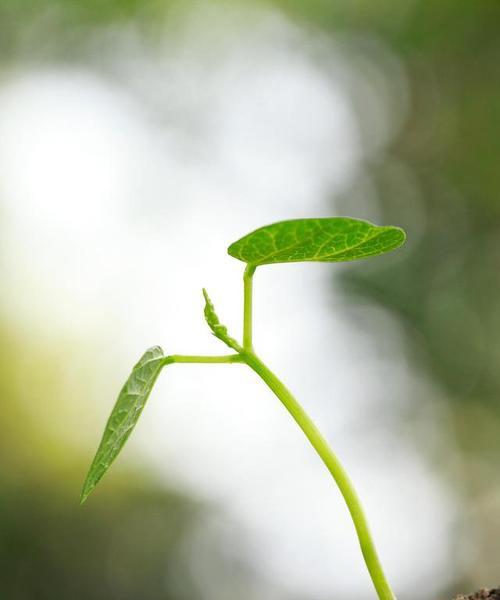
[85, 493]
[402, 235]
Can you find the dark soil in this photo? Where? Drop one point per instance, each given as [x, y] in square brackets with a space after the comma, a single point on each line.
[482, 595]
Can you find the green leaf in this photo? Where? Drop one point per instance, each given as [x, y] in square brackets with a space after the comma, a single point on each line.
[324, 240]
[219, 330]
[124, 415]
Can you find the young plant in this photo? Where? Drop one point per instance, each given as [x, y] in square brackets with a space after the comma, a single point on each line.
[324, 240]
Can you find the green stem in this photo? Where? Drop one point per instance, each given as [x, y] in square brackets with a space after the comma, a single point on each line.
[247, 307]
[248, 356]
[336, 469]
[181, 358]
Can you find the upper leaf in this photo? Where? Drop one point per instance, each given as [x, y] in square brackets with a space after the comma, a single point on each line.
[324, 240]
[124, 415]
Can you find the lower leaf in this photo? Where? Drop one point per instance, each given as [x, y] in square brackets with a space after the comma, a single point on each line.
[124, 415]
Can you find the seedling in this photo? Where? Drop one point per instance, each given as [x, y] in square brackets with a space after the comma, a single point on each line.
[334, 239]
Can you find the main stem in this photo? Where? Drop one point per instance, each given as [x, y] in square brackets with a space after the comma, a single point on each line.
[320, 445]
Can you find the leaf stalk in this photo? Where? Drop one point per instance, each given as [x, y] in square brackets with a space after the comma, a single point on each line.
[247, 308]
[181, 358]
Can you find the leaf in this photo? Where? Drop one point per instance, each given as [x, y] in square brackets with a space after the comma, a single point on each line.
[219, 330]
[124, 415]
[333, 239]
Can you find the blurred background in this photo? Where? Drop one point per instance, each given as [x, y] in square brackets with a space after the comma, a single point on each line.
[137, 140]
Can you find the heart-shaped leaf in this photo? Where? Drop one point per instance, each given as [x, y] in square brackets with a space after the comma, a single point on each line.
[124, 415]
[333, 239]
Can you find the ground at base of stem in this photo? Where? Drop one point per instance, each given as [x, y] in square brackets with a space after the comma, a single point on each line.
[483, 594]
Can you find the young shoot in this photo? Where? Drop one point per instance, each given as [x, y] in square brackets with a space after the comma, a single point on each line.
[335, 239]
